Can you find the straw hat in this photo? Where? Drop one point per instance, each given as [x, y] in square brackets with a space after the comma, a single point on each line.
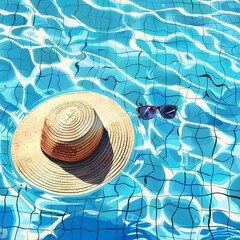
[73, 143]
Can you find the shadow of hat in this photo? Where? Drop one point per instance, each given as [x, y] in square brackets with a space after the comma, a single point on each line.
[94, 168]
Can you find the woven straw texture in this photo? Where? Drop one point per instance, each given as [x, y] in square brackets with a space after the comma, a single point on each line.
[73, 143]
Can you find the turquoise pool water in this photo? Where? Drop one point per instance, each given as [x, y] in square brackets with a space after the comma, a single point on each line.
[182, 180]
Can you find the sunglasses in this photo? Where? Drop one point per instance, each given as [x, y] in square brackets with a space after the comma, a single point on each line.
[149, 112]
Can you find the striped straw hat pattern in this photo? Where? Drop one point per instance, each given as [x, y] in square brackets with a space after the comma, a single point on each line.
[73, 143]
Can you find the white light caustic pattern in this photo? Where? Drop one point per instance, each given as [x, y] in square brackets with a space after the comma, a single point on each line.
[182, 179]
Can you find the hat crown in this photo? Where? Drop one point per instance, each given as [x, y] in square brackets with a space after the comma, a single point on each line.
[71, 131]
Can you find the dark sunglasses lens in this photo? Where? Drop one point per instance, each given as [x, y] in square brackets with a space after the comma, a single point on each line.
[147, 112]
[168, 111]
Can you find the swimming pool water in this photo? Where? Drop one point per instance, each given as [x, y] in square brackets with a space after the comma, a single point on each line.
[182, 180]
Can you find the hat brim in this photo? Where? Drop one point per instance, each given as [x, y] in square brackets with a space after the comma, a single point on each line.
[74, 178]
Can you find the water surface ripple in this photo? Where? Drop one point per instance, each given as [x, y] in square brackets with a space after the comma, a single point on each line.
[182, 180]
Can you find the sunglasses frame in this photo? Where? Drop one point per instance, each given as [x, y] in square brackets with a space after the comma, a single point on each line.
[155, 109]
